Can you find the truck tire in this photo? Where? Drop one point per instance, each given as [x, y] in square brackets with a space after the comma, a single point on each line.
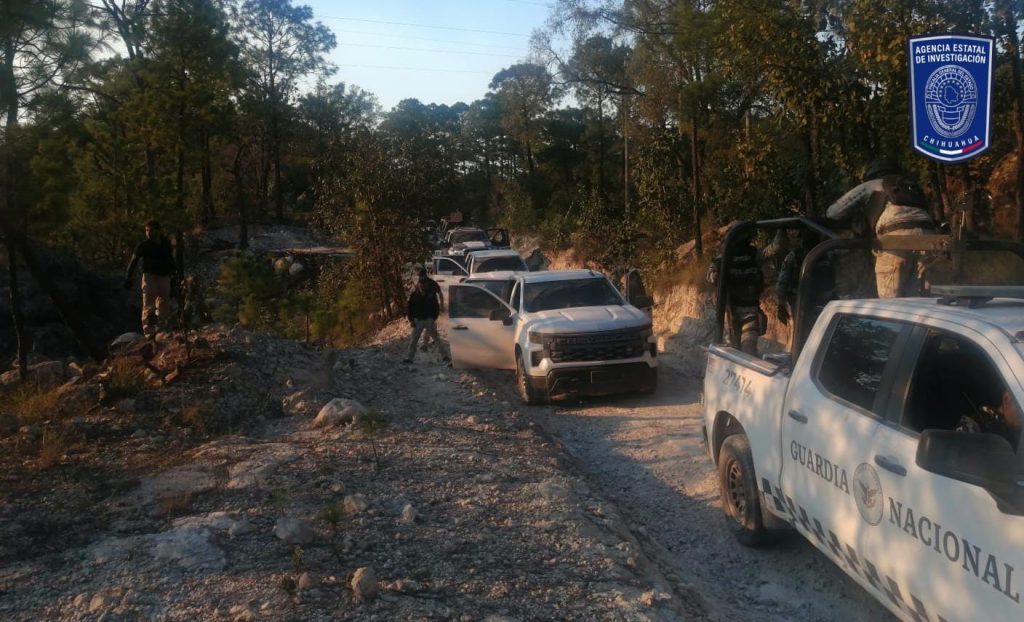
[653, 385]
[741, 502]
[526, 390]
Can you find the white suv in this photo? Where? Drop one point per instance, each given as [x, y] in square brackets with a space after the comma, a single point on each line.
[564, 332]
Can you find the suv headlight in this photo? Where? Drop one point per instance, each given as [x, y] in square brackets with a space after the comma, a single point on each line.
[536, 338]
[647, 333]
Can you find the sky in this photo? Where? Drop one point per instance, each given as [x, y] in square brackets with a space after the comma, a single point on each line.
[431, 50]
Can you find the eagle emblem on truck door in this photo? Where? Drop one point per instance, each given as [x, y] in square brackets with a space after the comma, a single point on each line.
[867, 490]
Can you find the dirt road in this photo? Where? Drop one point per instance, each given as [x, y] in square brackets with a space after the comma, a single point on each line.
[646, 453]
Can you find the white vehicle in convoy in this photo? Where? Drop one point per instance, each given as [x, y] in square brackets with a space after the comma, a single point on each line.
[495, 261]
[563, 332]
[890, 439]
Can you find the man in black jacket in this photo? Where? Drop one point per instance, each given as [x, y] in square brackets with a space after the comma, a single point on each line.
[158, 267]
[422, 312]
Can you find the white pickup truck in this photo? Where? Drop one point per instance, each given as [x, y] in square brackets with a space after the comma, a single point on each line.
[892, 442]
[563, 332]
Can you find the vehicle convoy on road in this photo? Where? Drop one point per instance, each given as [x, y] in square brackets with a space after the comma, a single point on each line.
[890, 438]
[563, 332]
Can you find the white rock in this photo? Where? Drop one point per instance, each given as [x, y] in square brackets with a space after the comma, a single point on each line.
[294, 531]
[295, 268]
[241, 528]
[364, 584]
[298, 403]
[308, 581]
[355, 504]
[191, 548]
[408, 515]
[214, 521]
[338, 411]
[126, 342]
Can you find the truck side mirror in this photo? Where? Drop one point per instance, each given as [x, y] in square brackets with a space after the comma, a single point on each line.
[985, 460]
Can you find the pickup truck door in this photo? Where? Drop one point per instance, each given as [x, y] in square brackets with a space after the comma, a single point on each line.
[447, 271]
[829, 423]
[635, 293]
[948, 545]
[481, 329]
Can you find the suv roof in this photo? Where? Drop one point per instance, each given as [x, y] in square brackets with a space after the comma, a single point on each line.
[497, 275]
[503, 252]
[559, 275]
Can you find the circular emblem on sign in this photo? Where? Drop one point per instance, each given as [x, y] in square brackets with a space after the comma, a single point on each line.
[951, 99]
[867, 490]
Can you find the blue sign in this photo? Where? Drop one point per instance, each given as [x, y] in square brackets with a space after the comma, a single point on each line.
[951, 95]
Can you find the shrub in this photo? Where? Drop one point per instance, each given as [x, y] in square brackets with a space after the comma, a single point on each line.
[126, 378]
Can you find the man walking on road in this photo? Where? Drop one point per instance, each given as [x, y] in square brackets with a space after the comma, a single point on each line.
[158, 267]
[888, 202]
[422, 312]
[434, 289]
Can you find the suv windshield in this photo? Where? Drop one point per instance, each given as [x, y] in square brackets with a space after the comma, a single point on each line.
[586, 292]
[470, 235]
[497, 264]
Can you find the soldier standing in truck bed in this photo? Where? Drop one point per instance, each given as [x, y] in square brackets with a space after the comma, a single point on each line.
[888, 202]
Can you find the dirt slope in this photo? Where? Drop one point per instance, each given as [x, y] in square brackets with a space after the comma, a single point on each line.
[473, 514]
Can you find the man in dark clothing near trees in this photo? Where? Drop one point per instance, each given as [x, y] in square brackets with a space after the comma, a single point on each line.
[158, 266]
[422, 311]
[435, 289]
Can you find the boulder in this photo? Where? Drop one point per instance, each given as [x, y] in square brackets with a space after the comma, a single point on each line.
[294, 531]
[295, 269]
[127, 342]
[192, 549]
[364, 584]
[339, 411]
[298, 404]
[355, 504]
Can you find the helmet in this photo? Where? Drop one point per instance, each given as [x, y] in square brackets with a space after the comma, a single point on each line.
[880, 167]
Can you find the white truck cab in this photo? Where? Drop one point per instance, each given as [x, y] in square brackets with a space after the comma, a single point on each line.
[892, 443]
[563, 332]
[495, 261]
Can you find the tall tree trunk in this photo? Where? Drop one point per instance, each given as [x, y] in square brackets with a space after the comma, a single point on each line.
[600, 145]
[625, 156]
[243, 222]
[206, 175]
[16, 315]
[696, 186]
[11, 201]
[1013, 51]
[275, 147]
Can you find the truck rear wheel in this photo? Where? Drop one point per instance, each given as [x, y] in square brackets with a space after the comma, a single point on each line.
[526, 390]
[738, 484]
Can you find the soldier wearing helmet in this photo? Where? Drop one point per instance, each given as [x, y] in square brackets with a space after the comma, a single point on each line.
[888, 202]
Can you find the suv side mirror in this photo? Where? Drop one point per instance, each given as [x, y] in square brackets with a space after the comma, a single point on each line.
[985, 460]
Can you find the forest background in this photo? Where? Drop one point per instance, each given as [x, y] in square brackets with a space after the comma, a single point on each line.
[634, 126]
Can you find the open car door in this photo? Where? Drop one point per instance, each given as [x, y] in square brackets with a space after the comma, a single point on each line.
[636, 293]
[448, 271]
[481, 329]
[499, 238]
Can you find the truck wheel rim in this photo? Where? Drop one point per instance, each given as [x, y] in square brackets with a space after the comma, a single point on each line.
[737, 489]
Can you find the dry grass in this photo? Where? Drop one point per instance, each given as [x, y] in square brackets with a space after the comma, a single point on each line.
[52, 448]
[32, 402]
[196, 416]
[126, 378]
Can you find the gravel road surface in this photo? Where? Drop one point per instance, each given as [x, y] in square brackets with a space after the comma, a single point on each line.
[646, 453]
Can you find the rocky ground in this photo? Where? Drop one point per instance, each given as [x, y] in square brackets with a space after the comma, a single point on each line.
[244, 478]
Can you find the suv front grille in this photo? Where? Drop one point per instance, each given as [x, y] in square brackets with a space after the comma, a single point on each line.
[606, 346]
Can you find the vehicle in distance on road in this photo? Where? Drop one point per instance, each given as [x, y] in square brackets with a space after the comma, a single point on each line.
[495, 261]
[566, 332]
[890, 439]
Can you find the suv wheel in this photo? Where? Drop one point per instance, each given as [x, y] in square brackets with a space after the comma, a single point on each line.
[738, 484]
[526, 390]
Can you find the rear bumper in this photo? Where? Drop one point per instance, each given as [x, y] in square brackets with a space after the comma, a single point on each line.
[597, 379]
